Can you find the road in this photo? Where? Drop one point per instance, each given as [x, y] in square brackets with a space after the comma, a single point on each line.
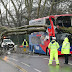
[35, 63]
[6, 67]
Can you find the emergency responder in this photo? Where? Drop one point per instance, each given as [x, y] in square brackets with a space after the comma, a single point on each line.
[66, 49]
[25, 44]
[53, 45]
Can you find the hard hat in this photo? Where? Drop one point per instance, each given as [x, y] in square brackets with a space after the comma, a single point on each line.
[54, 38]
[24, 39]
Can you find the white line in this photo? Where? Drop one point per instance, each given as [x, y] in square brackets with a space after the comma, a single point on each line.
[35, 56]
[69, 63]
[38, 56]
[47, 59]
[25, 64]
[37, 70]
[15, 59]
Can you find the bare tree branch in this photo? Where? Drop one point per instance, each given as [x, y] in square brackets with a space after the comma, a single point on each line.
[51, 7]
[9, 13]
[43, 8]
[38, 9]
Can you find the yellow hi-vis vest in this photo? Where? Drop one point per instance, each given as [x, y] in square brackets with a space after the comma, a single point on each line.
[23, 43]
[53, 46]
[65, 47]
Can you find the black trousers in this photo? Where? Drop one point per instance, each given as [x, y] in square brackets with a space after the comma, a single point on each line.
[66, 58]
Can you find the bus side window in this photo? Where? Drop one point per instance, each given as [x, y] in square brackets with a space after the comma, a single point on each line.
[47, 21]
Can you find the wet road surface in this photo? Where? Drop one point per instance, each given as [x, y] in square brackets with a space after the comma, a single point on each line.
[37, 63]
[6, 67]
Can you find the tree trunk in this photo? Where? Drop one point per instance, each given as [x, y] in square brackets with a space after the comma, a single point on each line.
[9, 13]
[38, 9]
[41, 14]
[51, 8]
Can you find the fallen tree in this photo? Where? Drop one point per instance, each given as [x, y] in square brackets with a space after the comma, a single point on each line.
[22, 30]
[66, 29]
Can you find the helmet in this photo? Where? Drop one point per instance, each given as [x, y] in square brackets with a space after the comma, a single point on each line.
[54, 38]
[24, 39]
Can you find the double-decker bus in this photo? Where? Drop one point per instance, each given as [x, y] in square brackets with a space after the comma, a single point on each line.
[64, 20]
[38, 42]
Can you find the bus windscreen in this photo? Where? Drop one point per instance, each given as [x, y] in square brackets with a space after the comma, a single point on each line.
[36, 40]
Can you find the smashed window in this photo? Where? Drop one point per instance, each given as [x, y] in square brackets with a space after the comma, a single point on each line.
[35, 40]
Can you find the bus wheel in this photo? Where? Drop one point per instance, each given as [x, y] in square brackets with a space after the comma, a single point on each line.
[47, 51]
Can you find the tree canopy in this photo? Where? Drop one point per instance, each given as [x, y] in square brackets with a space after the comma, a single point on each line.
[18, 12]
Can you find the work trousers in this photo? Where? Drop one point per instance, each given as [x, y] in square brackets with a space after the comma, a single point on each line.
[66, 58]
[53, 55]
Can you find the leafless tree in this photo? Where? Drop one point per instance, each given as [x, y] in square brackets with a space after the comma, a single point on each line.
[25, 10]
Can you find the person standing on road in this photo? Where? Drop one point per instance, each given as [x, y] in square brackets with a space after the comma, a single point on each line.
[66, 49]
[53, 45]
[25, 44]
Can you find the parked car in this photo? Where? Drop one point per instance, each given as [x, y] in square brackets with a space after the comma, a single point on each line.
[7, 43]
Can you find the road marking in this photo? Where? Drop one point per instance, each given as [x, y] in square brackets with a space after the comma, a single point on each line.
[38, 56]
[35, 56]
[46, 58]
[37, 70]
[23, 70]
[13, 59]
[25, 64]
[69, 63]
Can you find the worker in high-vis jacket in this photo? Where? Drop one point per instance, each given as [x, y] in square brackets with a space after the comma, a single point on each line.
[65, 49]
[53, 46]
[25, 44]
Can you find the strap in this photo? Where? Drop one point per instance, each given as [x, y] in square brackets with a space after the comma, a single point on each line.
[66, 44]
[65, 48]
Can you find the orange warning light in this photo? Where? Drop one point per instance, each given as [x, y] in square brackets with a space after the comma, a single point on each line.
[4, 37]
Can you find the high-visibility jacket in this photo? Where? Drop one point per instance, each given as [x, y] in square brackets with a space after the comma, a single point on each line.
[25, 44]
[53, 45]
[65, 46]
